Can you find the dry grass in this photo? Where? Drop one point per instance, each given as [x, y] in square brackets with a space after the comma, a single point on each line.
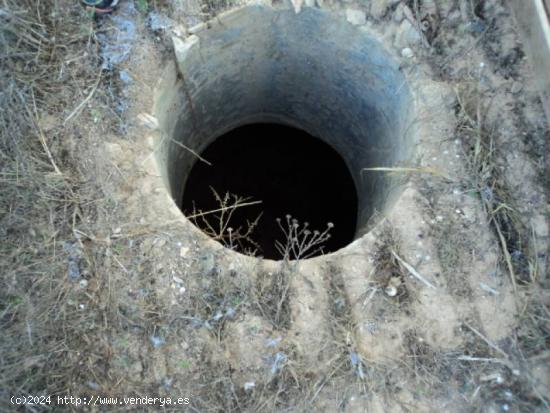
[41, 200]
[58, 336]
[518, 247]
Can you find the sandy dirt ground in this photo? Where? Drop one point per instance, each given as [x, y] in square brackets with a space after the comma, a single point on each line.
[102, 295]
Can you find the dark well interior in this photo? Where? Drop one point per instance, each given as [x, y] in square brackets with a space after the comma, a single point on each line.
[289, 171]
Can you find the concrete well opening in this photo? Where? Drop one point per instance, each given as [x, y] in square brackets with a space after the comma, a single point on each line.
[292, 78]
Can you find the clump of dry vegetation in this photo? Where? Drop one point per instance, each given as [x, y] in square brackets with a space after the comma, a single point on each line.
[47, 60]
[518, 252]
[218, 223]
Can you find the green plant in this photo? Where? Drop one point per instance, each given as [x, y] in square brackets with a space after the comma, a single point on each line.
[142, 6]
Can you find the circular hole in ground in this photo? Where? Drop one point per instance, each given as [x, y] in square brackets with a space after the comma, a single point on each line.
[290, 172]
[312, 71]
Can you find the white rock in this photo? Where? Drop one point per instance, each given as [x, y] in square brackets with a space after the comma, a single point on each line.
[540, 225]
[516, 87]
[390, 291]
[407, 53]
[310, 3]
[378, 8]
[406, 35]
[453, 17]
[297, 5]
[399, 15]
[356, 16]
[147, 120]
[183, 47]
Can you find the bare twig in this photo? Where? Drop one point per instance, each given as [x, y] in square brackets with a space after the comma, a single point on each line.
[489, 342]
[42, 139]
[219, 228]
[200, 214]
[507, 256]
[187, 148]
[423, 169]
[77, 110]
[411, 269]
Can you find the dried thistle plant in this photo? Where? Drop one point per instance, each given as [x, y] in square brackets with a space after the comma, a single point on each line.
[217, 223]
[300, 242]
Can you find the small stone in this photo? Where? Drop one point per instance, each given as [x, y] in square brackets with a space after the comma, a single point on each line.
[273, 342]
[83, 284]
[406, 35]
[159, 22]
[540, 225]
[249, 385]
[378, 8]
[407, 53]
[392, 286]
[182, 47]
[297, 5]
[399, 14]
[93, 385]
[356, 16]
[177, 279]
[453, 18]
[136, 368]
[390, 291]
[167, 382]
[183, 251]
[125, 77]
[157, 341]
[516, 87]
[310, 3]
[147, 120]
